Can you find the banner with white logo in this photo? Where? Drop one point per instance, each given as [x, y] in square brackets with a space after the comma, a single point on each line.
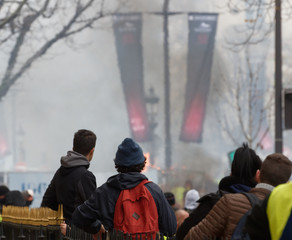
[127, 30]
[202, 30]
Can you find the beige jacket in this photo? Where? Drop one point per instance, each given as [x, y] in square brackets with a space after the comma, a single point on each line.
[224, 216]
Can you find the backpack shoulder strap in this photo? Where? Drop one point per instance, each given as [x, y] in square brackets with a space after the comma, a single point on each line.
[239, 232]
[135, 192]
[143, 182]
[253, 199]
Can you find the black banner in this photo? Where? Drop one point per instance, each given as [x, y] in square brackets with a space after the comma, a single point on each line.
[127, 30]
[202, 30]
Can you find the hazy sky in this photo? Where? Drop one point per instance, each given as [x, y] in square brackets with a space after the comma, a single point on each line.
[73, 88]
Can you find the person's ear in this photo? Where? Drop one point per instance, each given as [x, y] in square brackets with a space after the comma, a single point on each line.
[90, 154]
[257, 176]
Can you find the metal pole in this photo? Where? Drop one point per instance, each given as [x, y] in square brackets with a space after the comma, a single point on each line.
[167, 87]
[278, 80]
[14, 137]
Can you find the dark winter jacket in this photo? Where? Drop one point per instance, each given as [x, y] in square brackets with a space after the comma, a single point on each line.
[229, 184]
[71, 185]
[221, 221]
[14, 198]
[100, 207]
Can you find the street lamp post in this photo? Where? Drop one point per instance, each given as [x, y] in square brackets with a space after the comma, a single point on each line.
[278, 80]
[166, 87]
[152, 100]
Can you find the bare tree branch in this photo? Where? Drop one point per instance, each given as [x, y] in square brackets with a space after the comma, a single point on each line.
[248, 109]
[258, 27]
[13, 15]
[61, 19]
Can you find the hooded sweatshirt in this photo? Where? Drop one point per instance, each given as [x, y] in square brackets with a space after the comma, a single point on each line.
[71, 185]
[100, 207]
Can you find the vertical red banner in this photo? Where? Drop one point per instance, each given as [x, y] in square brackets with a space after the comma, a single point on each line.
[202, 31]
[127, 30]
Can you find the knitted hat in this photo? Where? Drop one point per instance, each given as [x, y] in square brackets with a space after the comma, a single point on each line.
[191, 199]
[129, 154]
[3, 190]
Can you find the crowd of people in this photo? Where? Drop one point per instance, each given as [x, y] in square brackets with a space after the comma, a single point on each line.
[131, 203]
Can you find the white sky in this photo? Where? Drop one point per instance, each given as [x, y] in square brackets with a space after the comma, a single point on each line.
[72, 89]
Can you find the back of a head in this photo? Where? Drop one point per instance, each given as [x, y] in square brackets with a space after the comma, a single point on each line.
[245, 164]
[129, 157]
[170, 198]
[3, 190]
[276, 169]
[84, 141]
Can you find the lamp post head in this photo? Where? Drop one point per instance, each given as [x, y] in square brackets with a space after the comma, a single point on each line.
[152, 98]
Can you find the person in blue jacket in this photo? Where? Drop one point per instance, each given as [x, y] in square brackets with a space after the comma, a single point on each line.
[98, 211]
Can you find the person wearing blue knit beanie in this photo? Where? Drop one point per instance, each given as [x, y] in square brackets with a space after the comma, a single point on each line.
[102, 212]
[129, 154]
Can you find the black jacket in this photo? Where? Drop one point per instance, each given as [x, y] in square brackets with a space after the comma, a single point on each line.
[228, 184]
[99, 208]
[14, 198]
[71, 185]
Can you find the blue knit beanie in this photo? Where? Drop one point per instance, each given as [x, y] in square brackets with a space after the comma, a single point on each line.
[129, 154]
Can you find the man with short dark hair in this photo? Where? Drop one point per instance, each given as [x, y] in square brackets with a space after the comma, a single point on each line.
[226, 213]
[99, 210]
[73, 183]
[272, 219]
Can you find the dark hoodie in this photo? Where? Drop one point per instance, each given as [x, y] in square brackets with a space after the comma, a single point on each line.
[229, 184]
[71, 185]
[100, 207]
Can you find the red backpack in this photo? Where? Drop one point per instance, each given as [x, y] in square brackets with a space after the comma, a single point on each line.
[136, 211]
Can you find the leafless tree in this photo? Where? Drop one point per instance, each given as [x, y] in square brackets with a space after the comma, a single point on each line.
[244, 111]
[28, 29]
[259, 19]
[10, 14]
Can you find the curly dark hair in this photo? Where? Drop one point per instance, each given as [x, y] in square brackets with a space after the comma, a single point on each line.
[136, 168]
